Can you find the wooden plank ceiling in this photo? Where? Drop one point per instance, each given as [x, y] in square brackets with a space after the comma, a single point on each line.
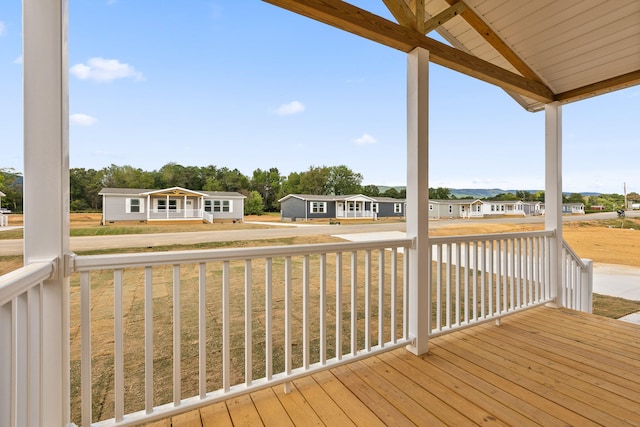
[538, 51]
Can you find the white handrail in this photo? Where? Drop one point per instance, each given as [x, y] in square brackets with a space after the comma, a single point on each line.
[477, 278]
[291, 319]
[577, 278]
[95, 262]
[21, 337]
[21, 280]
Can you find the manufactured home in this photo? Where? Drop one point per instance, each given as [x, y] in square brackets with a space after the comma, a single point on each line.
[439, 209]
[573, 208]
[170, 204]
[308, 207]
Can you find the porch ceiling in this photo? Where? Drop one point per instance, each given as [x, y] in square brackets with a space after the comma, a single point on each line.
[539, 52]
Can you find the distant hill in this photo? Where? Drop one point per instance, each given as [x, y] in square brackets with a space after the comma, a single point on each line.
[478, 193]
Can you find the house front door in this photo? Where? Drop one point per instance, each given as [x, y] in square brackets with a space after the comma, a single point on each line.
[189, 208]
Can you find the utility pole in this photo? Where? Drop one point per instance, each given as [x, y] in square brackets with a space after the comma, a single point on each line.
[625, 196]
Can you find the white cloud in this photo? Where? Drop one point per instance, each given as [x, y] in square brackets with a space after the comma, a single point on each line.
[104, 70]
[18, 60]
[80, 119]
[293, 107]
[3, 28]
[365, 139]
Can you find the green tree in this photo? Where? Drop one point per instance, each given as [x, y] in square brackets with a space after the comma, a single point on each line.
[538, 196]
[211, 184]
[11, 186]
[523, 195]
[84, 188]
[371, 190]
[253, 204]
[267, 183]
[391, 192]
[233, 180]
[126, 177]
[440, 193]
[505, 196]
[573, 198]
[342, 180]
[314, 180]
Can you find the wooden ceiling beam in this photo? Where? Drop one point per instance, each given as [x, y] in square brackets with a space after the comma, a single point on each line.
[401, 11]
[498, 44]
[347, 17]
[599, 88]
[419, 11]
[442, 17]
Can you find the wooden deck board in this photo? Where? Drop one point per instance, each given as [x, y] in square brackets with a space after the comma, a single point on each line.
[541, 367]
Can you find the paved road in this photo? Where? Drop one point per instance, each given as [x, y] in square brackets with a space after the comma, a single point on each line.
[15, 246]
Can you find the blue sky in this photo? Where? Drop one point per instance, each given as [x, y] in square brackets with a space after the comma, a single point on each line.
[246, 85]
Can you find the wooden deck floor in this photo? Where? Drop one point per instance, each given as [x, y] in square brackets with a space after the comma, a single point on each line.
[541, 367]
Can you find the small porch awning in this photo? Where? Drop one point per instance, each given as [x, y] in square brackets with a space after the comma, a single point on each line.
[174, 191]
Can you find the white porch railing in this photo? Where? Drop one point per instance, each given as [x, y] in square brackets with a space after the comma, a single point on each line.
[153, 334]
[217, 323]
[483, 277]
[355, 214]
[4, 220]
[176, 214]
[577, 278]
[21, 355]
[207, 216]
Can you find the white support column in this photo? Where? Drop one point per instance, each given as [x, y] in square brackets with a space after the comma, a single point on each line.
[418, 196]
[46, 187]
[553, 194]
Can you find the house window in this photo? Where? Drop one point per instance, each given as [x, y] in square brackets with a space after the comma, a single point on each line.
[318, 207]
[450, 209]
[353, 206]
[397, 208]
[207, 206]
[162, 205]
[173, 205]
[134, 206]
[374, 207]
[222, 205]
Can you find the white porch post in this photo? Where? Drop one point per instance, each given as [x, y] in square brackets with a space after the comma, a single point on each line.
[148, 207]
[46, 188]
[418, 196]
[553, 194]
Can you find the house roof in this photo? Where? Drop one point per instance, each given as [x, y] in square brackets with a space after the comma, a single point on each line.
[2, 194]
[456, 201]
[170, 191]
[538, 51]
[340, 198]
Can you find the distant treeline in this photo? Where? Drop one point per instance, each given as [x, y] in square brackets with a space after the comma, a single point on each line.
[269, 184]
[263, 188]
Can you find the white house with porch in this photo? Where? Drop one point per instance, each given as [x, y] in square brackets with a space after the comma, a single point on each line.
[353, 312]
[170, 204]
